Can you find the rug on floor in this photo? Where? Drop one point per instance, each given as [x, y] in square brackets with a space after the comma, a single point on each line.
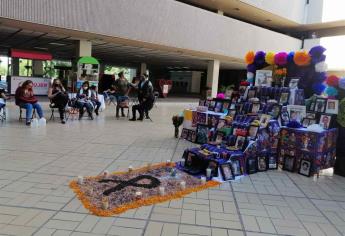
[117, 192]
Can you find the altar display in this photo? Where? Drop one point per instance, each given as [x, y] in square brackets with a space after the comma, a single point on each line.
[284, 95]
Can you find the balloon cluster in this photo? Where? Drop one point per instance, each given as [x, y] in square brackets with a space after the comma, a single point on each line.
[310, 67]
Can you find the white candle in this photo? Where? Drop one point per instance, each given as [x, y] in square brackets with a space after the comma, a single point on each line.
[105, 174]
[168, 162]
[138, 194]
[161, 191]
[80, 179]
[183, 185]
[105, 204]
[208, 172]
[130, 168]
[203, 180]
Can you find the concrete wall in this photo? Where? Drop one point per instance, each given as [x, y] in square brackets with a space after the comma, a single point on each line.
[321, 11]
[161, 22]
[290, 9]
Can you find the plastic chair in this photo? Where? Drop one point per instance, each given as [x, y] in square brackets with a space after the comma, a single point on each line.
[24, 118]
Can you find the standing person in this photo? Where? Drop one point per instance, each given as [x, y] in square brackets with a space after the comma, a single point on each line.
[122, 86]
[84, 100]
[59, 98]
[94, 99]
[145, 97]
[26, 99]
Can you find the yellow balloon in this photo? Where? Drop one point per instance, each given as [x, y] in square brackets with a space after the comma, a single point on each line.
[269, 58]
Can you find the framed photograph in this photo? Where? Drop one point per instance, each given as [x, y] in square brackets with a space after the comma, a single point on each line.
[325, 120]
[263, 78]
[275, 111]
[264, 120]
[212, 120]
[251, 165]
[221, 123]
[305, 168]
[202, 134]
[284, 118]
[293, 84]
[212, 105]
[236, 167]
[284, 98]
[251, 93]
[311, 106]
[184, 133]
[219, 137]
[232, 113]
[255, 107]
[202, 102]
[213, 165]
[296, 112]
[219, 106]
[226, 105]
[312, 121]
[272, 162]
[320, 105]
[240, 141]
[289, 163]
[227, 173]
[262, 163]
[253, 131]
[193, 135]
[310, 115]
[305, 122]
[201, 118]
[332, 106]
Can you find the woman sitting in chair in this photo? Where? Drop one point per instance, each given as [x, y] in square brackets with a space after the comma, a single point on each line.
[84, 100]
[26, 99]
[58, 97]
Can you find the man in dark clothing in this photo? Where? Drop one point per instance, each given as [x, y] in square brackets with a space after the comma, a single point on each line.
[145, 97]
[122, 86]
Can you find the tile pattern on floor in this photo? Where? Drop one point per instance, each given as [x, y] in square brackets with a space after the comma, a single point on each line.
[36, 166]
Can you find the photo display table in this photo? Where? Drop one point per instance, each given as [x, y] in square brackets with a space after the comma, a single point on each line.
[300, 146]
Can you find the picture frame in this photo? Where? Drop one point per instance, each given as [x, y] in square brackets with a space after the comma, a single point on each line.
[310, 115]
[213, 165]
[262, 163]
[289, 163]
[272, 162]
[305, 122]
[221, 123]
[284, 118]
[227, 171]
[236, 167]
[240, 142]
[202, 134]
[193, 136]
[332, 106]
[219, 106]
[251, 166]
[263, 78]
[251, 93]
[184, 133]
[189, 137]
[311, 106]
[320, 105]
[226, 105]
[212, 120]
[325, 121]
[296, 112]
[212, 105]
[264, 120]
[275, 111]
[305, 167]
[255, 107]
[253, 131]
[284, 98]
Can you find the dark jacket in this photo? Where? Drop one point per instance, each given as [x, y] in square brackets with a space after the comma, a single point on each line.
[145, 90]
[21, 97]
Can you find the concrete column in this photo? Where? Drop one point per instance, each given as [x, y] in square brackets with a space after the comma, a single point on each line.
[101, 69]
[84, 48]
[15, 66]
[213, 76]
[37, 68]
[196, 80]
[143, 68]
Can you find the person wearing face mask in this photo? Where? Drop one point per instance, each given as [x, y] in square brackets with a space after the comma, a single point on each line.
[84, 100]
[145, 97]
[25, 98]
[59, 98]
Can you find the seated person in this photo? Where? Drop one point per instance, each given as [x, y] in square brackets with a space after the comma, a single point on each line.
[94, 98]
[145, 97]
[26, 99]
[3, 98]
[59, 98]
[110, 94]
[84, 100]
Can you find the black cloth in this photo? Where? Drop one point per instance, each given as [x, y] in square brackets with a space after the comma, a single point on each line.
[105, 83]
[145, 90]
[339, 168]
[60, 101]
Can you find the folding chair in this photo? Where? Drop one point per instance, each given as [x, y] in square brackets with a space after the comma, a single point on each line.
[24, 118]
[124, 103]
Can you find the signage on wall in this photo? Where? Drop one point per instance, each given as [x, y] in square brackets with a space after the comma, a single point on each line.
[40, 87]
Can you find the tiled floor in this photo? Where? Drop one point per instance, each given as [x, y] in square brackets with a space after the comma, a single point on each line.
[36, 166]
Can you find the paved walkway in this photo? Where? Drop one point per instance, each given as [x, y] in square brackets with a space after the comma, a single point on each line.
[36, 166]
